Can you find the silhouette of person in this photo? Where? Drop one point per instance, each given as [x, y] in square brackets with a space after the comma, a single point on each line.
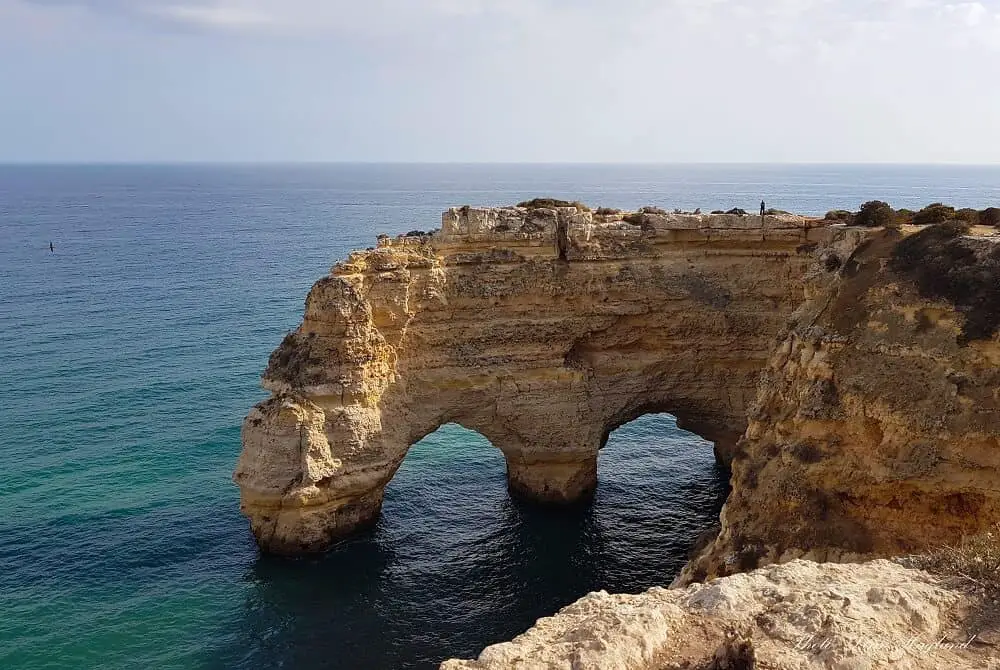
[51, 247]
[762, 208]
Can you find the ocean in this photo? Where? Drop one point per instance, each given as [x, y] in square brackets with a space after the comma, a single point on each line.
[131, 353]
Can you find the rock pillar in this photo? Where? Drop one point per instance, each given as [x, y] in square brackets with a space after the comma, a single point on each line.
[294, 531]
[568, 479]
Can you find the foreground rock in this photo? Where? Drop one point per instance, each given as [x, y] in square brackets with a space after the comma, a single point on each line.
[542, 329]
[797, 615]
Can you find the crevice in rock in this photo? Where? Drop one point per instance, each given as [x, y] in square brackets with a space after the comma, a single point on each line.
[562, 238]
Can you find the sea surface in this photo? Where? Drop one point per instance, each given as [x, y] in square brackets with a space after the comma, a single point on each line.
[130, 354]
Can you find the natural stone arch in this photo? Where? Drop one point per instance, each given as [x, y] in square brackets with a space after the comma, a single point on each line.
[693, 422]
[539, 329]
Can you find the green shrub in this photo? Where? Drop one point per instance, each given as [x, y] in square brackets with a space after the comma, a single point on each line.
[416, 233]
[607, 211]
[552, 203]
[943, 265]
[652, 210]
[874, 214]
[934, 213]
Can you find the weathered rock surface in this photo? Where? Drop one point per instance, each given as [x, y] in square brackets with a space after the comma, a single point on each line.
[799, 615]
[542, 329]
[876, 431]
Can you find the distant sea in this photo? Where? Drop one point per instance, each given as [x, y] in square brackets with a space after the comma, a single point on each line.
[131, 353]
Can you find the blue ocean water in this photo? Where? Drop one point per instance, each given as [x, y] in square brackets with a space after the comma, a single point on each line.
[130, 354]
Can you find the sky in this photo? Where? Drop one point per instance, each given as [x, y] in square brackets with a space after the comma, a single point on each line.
[887, 81]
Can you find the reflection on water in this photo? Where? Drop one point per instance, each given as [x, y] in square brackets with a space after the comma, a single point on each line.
[455, 564]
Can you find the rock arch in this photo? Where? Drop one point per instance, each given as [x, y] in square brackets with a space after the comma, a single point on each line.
[543, 330]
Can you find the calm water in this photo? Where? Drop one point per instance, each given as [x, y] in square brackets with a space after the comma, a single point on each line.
[129, 356]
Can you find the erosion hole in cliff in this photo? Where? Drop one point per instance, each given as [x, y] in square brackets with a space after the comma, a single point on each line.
[444, 473]
[667, 478]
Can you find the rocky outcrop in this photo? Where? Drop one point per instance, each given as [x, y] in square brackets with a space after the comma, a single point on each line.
[877, 426]
[799, 615]
[543, 329]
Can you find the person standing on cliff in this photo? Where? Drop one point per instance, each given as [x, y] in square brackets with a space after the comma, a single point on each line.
[762, 208]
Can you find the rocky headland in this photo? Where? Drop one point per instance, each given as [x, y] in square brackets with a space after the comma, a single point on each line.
[849, 374]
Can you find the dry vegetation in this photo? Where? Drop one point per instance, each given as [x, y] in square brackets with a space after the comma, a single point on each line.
[975, 561]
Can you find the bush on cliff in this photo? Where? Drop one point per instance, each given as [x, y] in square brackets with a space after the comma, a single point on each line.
[840, 216]
[607, 211]
[904, 217]
[967, 215]
[653, 210]
[990, 217]
[552, 203]
[934, 213]
[975, 561]
[875, 214]
[945, 266]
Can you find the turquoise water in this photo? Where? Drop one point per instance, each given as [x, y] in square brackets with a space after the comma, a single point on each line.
[129, 356]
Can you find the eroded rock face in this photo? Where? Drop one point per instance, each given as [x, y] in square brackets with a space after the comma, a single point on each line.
[876, 431]
[541, 329]
[799, 615]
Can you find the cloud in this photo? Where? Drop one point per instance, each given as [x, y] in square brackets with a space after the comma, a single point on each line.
[213, 16]
[309, 16]
[807, 19]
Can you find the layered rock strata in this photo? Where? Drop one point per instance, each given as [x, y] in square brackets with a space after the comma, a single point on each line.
[799, 615]
[876, 431]
[542, 329]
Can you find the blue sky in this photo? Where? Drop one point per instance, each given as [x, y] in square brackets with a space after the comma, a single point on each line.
[500, 80]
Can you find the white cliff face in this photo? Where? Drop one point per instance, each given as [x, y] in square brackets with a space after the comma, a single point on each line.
[542, 329]
[799, 615]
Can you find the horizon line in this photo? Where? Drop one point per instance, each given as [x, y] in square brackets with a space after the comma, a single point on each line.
[263, 163]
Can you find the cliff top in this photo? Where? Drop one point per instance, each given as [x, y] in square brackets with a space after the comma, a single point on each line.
[530, 221]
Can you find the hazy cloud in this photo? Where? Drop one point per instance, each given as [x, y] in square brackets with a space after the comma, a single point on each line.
[514, 79]
[792, 20]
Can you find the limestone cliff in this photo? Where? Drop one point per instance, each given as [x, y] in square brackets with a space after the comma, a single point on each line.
[877, 424]
[543, 329]
[799, 615]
